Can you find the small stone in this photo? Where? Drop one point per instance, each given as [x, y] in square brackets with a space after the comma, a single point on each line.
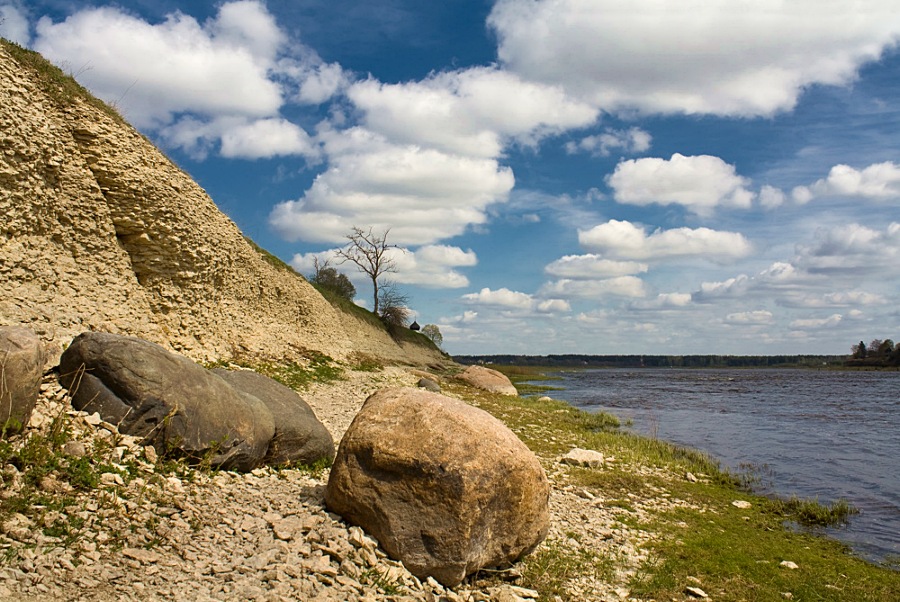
[695, 592]
[743, 505]
[76, 449]
[141, 555]
[150, 454]
[583, 457]
[690, 477]
[93, 419]
[787, 595]
[787, 564]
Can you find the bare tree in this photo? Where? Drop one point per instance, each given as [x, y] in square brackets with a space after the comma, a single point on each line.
[394, 306]
[370, 252]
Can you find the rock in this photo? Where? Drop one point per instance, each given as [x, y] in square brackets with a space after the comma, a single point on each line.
[444, 487]
[695, 592]
[488, 379]
[583, 457]
[787, 564]
[21, 367]
[742, 504]
[428, 385]
[169, 400]
[299, 435]
[690, 477]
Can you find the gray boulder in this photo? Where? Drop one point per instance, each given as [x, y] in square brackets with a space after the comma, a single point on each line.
[445, 487]
[428, 385]
[21, 369]
[299, 435]
[488, 379]
[175, 404]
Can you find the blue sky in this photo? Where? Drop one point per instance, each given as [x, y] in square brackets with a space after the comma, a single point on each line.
[563, 176]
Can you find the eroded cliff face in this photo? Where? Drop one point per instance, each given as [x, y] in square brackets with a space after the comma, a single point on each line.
[100, 231]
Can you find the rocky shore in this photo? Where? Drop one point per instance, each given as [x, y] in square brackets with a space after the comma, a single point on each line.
[160, 531]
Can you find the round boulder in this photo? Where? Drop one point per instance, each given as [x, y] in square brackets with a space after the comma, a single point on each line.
[446, 488]
[175, 404]
[299, 435]
[21, 369]
[488, 380]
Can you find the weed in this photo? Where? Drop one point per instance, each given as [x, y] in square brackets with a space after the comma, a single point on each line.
[812, 513]
[381, 580]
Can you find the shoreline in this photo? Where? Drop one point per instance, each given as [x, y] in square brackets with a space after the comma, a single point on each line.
[165, 531]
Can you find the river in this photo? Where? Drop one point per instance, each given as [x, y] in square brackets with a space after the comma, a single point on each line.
[812, 433]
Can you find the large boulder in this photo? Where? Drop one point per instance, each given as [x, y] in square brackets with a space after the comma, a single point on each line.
[21, 369]
[299, 435]
[175, 404]
[446, 488]
[488, 380]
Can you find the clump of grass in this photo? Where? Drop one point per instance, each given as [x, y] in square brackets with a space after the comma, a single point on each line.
[812, 513]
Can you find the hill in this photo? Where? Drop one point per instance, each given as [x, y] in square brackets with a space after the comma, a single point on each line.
[101, 231]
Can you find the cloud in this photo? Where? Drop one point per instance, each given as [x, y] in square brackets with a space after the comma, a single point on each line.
[423, 195]
[756, 317]
[624, 240]
[621, 286]
[471, 112]
[851, 248]
[700, 183]
[432, 266]
[771, 197]
[879, 182]
[513, 300]
[267, 138]
[664, 301]
[501, 298]
[816, 323]
[592, 266]
[630, 141]
[153, 72]
[715, 57]
[14, 25]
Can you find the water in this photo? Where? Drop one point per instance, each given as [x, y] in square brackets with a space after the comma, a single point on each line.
[823, 434]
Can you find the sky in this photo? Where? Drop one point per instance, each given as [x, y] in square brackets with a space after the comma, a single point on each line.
[559, 176]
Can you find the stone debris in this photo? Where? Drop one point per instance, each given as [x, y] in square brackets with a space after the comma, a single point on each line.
[742, 504]
[156, 534]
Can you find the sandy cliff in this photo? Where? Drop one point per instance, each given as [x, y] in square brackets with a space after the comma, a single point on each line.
[100, 230]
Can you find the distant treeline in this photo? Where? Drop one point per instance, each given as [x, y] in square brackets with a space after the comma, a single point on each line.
[656, 361]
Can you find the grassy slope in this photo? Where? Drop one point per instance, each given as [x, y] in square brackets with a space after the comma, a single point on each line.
[736, 553]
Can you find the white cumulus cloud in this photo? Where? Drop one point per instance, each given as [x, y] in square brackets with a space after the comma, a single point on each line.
[156, 71]
[699, 183]
[624, 240]
[423, 195]
[630, 141]
[472, 112]
[592, 266]
[717, 56]
[879, 181]
[621, 286]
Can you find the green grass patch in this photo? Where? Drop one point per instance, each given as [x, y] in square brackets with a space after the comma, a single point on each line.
[737, 553]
